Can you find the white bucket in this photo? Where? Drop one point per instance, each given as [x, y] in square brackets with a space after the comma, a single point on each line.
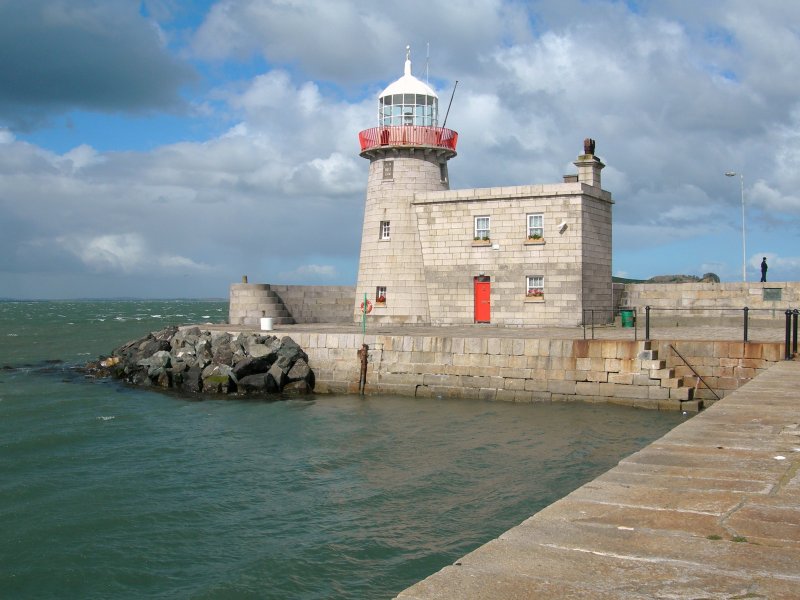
[266, 323]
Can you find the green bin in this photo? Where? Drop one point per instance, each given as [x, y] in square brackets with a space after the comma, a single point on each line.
[626, 317]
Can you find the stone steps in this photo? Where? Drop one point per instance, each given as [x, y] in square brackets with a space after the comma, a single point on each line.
[657, 369]
[250, 302]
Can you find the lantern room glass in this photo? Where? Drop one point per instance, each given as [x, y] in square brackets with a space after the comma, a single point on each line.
[409, 109]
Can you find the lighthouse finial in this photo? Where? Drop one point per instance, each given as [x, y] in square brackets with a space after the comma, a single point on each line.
[408, 61]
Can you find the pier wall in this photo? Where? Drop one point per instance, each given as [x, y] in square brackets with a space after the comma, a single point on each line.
[248, 302]
[317, 303]
[642, 374]
[677, 301]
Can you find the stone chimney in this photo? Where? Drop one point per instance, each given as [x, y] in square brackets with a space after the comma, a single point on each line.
[589, 166]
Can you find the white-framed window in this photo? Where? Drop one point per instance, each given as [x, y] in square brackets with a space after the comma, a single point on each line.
[380, 293]
[536, 226]
[482, 228]
[385, 230]
[534, 285]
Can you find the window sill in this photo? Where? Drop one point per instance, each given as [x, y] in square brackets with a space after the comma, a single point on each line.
[530, 242]
[380, 304]
[481, 242]
[534, 299]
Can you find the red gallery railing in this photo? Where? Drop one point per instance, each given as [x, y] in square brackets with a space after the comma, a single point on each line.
[408, 135]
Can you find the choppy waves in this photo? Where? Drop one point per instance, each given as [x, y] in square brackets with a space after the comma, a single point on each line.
[73, 329]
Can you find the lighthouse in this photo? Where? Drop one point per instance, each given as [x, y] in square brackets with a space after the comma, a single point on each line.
[408, 154]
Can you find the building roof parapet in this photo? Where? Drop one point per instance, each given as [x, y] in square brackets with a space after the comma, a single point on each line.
[514, 192]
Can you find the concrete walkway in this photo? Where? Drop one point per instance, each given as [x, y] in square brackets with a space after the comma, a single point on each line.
[711, 510]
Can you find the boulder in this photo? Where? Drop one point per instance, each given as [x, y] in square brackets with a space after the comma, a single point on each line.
[217, 379]
[276, 379]
[222, 355]
[193, 380]
[251, 365]
[140, 378]
[151, 346]
[253, 384]
[203, 352]
[262, 346]
[186, 338]
[290, 349]
[296, 388]
[156, 363]
[162, 377]
[300, 371]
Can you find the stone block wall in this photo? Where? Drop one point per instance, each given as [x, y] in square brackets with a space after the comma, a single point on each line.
[395, 175]
[289, 303]
[723, 366]
[719, 302]
[642, 374]
[575, 260]
[317, 303]
[596, 258]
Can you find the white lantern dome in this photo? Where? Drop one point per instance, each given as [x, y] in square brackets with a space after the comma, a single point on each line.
[408, 101]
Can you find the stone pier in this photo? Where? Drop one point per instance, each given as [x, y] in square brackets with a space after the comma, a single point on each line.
[711, 510]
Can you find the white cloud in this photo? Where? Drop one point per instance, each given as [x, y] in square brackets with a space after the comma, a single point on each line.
[181, 263]
[80, 157]
[107, 253]
[353, 41]
[124, 253]
[771, 199]
[312, 272]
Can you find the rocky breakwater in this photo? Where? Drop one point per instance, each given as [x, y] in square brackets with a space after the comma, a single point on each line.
[194, 361]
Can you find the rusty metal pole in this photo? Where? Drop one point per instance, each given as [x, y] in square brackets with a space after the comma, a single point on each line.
[363, 355]
[746, 311]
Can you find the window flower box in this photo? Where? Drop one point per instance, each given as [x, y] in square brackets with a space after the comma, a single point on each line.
[534, 240]
[380, 301]
[534, 296]
[481, 241]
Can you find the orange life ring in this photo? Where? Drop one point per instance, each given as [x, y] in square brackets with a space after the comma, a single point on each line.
[369, 307]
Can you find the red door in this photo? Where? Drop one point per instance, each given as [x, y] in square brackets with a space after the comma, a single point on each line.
[483, 311]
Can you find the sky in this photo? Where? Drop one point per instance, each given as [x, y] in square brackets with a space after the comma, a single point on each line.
[166, 148]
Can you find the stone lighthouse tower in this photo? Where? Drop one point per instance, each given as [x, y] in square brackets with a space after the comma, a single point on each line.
[408, 154]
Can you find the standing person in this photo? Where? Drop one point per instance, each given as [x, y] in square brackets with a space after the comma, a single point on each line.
[764, 268]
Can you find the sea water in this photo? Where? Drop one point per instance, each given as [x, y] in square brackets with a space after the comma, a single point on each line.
[108, 491]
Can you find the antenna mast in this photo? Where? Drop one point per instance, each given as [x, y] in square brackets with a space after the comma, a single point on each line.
[450, 104]
[427, 60]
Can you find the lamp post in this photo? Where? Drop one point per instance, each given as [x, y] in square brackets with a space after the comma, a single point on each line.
[744, 245]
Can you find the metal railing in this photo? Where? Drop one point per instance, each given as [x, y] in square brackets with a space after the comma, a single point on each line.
[699, 377]
[408, 135]
[605, 317]
[598, 317]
